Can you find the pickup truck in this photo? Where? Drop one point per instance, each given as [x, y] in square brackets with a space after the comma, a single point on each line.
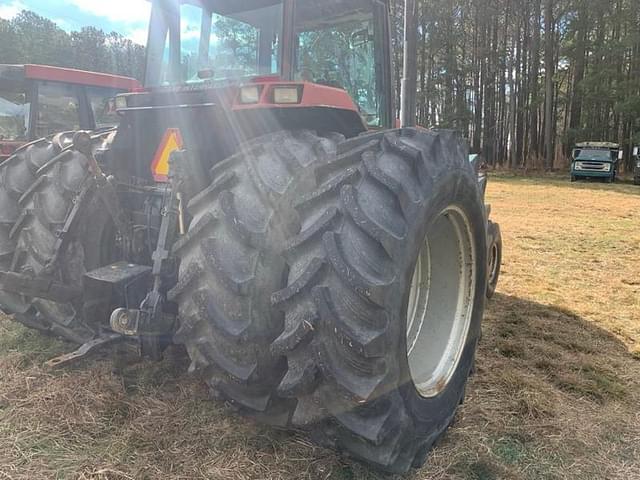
[595, 160]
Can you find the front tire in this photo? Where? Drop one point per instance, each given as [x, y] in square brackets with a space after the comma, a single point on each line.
[366, 379]
[495, 257]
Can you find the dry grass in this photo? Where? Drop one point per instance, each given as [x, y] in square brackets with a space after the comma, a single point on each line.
[555, 395]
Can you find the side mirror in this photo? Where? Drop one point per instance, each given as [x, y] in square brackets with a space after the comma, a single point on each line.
[620, 155]
[635, 151]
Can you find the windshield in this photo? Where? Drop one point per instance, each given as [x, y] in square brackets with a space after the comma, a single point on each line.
[600, 155]
[14, 115]
[217, 42]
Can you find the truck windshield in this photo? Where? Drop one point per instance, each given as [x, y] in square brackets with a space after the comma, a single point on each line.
[14, 115]
[600, 155]
[221, 40]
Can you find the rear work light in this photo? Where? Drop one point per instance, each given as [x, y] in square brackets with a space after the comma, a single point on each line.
[121, 102]
[286, 95]
[250, 94]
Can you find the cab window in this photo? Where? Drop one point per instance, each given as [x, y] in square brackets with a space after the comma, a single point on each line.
[243, 41]
[14, 115]
[342, 54]
[58, 109]
[102, 101]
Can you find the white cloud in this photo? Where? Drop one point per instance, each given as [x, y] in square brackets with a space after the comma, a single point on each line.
[138, 35]
[122, 11]
[11, 10]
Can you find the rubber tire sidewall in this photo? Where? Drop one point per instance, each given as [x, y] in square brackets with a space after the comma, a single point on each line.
[494, 238]
[434, 414]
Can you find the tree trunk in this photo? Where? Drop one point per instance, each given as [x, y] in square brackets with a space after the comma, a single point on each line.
[549, 72]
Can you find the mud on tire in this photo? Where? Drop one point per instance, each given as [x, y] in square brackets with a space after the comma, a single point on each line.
[350, 272]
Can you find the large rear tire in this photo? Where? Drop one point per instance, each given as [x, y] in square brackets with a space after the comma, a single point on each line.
[385, 297]
[231, 263]
[47, 204]
[17, 174]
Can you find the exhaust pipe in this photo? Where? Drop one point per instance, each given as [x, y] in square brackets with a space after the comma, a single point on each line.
[410, 72]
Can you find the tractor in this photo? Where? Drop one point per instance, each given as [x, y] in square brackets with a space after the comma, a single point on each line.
[38, 101]
[324, 268]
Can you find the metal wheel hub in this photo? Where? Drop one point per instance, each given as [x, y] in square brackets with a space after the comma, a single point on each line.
[440, 303]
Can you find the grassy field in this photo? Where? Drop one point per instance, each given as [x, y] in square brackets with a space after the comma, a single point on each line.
[555, 396]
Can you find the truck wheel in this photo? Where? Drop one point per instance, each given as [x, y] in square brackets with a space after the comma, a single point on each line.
[231, 263]
[636, 181]
[17, 174]
[47, 204]
[385, 298]
[573, 178]
[495, 257]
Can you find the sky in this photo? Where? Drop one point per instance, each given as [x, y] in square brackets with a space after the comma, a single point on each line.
[129, 18]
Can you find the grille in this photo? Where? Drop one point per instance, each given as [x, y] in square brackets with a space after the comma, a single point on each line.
[593, 166]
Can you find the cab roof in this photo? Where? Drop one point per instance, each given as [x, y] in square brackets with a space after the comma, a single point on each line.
[599, 145]
[17, 73]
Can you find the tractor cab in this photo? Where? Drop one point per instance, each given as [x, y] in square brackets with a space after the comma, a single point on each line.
[221, 72]
[339, 44]
[37, 101]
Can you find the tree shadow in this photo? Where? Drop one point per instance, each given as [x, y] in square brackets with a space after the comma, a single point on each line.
[555, 344]
[551, 390]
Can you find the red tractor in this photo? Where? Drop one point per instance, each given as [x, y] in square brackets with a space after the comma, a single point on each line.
[256, 204]
[37, 101]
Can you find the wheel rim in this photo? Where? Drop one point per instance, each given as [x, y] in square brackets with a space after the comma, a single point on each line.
[440, 305]
[493, 266]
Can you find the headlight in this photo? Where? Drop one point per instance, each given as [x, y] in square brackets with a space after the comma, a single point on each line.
[607, 167]
[638, 164]
[121, 102]
[577, 166]
[286, 95]
[250, 94]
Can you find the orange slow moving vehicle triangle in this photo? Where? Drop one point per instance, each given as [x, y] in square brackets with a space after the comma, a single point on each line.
[171, 141]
